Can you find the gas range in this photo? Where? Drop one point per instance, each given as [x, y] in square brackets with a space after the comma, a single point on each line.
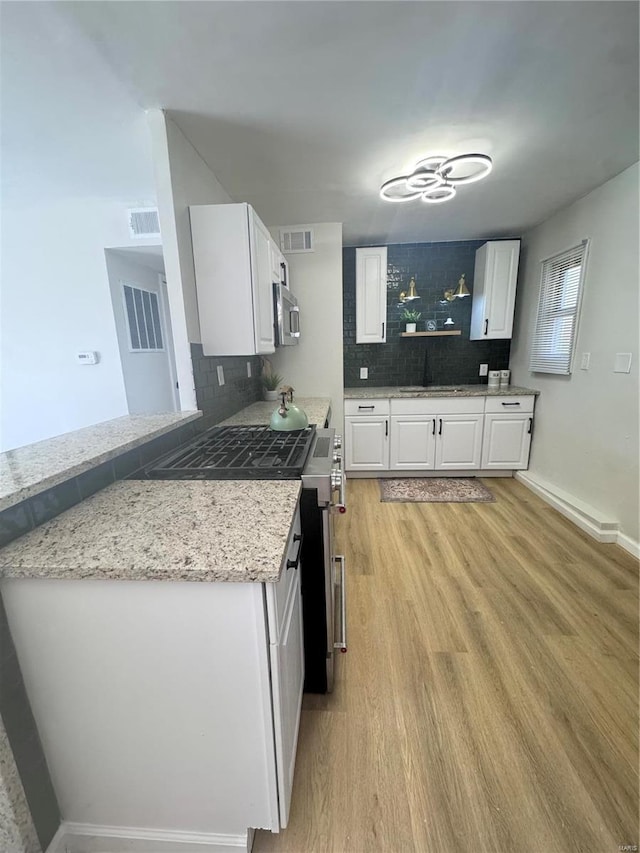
[237, 453]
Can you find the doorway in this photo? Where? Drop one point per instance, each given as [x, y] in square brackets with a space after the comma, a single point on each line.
[143, 327]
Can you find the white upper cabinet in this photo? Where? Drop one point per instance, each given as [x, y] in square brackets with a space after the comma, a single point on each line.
[371, 295]
[494, 290]
[234, 276]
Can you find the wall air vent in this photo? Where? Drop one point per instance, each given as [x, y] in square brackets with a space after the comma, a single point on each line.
[295, 239]
[143, 222]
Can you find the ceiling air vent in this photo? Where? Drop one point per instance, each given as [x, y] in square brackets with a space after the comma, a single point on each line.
[295, 239]
[144, 222]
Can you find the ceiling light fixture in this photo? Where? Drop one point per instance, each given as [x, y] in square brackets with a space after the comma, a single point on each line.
[434, 179]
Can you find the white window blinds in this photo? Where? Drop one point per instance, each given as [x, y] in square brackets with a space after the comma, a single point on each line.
[558, 309]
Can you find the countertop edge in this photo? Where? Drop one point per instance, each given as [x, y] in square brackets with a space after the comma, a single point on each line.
[383, 392]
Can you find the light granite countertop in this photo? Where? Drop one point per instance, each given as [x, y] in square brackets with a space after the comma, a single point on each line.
[17, 832]
[29, 470]
[211, 530]
[417, 391]
[317, 409]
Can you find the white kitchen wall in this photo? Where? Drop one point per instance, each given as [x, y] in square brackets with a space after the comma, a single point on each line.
[314, 367]
[56, 303]
[182, 178]
[586, 426]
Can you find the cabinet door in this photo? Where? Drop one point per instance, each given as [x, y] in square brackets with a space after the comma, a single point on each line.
[459, 441]
[494, 290]
[366, 444]
[412, 442]
[506, 442]
[262, 288]
[371, 295]
[287, 668]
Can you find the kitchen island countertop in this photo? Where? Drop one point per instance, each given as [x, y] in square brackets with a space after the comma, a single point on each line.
[29, 470]
[408, 392]
[205, 530]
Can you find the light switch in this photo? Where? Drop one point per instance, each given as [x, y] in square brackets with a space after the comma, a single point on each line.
[220, 370]
[248, 370]
[584, 363]
[364, 373]
[622, 364]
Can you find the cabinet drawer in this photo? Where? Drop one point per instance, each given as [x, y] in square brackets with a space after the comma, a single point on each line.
[510, 404]
[366, 407]
[278, 594]
[438, 406]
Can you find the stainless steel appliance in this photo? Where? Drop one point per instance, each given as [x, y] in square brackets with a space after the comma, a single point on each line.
[315, 456]
[286, 315]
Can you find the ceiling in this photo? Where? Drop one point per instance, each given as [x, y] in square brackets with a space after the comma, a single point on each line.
[304, 108]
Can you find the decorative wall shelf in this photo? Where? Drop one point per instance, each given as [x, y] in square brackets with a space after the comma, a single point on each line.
[429, 334]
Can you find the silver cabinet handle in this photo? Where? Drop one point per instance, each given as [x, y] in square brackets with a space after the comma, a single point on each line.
[342, 642]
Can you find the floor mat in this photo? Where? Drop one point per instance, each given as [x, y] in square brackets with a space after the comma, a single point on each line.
[434, 490]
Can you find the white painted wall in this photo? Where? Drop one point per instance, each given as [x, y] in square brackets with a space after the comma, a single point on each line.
[147, 375]
[314, 367]
[182, 178]
[586, 426]
[55, 302]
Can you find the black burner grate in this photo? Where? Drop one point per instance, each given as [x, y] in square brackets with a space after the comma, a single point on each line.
[237, 452]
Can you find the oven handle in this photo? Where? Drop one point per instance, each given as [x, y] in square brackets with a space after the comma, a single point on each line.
[342, 642]
[341, 506]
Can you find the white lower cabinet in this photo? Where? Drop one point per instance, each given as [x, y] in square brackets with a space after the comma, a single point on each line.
[459, 442]
[438, 433]
[287, 672]
[506, 442]
[413, 442]
[189, 695]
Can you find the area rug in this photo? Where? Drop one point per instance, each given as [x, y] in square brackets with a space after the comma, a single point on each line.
[434, 490]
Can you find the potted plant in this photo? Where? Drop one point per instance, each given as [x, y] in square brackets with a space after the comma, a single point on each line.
[410, 318]
[270, 384]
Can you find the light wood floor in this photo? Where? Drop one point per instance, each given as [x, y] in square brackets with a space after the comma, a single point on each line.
[489, 698]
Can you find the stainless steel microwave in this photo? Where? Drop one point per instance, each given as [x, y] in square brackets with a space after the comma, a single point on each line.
[286, 315]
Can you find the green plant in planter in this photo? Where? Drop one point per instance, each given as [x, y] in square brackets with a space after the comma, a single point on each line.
[411, 316]
[271, 381]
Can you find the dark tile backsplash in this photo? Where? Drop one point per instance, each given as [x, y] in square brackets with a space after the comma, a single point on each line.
[436, 267]
[218, 402]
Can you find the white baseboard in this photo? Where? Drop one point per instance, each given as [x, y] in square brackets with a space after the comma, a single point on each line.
[587, 518]
[629, 545]
[92, 838]
[370, 475]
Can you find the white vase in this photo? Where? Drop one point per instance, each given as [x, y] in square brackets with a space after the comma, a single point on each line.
[270, 395]
[410, 327]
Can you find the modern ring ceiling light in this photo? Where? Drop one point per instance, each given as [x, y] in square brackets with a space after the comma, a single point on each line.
[435, 179]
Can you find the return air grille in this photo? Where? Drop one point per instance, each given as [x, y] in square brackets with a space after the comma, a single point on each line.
[144, 222]
[296, 239]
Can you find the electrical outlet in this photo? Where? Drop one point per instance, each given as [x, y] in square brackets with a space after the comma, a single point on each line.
[484, 370]
[364, 373]
[248, 370]
[220, 370]
[584, 363]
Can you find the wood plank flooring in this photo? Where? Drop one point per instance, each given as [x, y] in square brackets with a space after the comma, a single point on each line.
[489, 698]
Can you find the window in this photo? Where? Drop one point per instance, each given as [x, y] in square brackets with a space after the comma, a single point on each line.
[558, 309]
[143, 319]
